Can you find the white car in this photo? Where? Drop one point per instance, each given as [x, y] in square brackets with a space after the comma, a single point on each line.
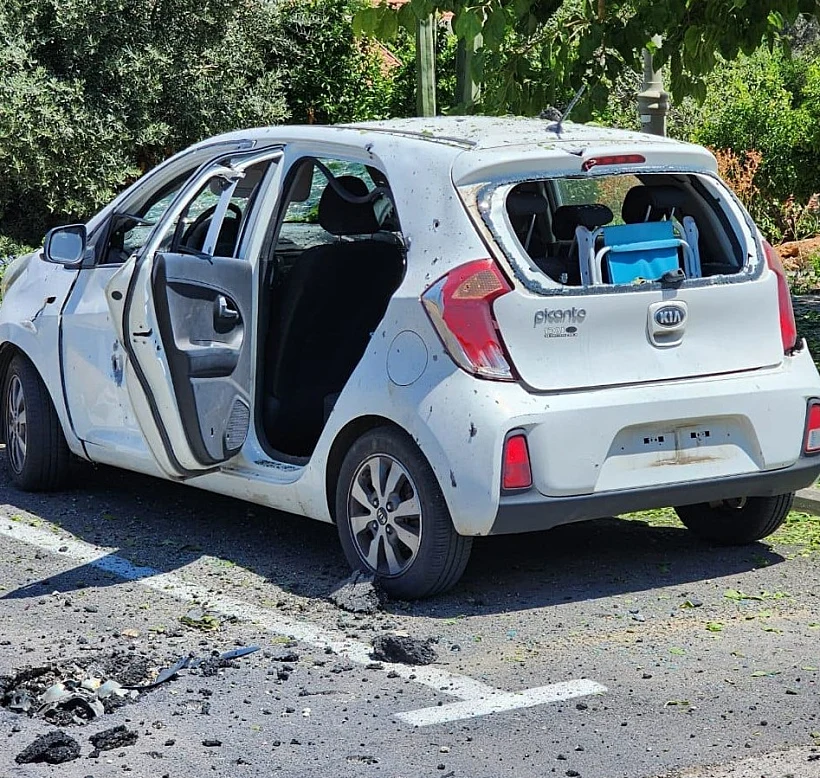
[423, 330]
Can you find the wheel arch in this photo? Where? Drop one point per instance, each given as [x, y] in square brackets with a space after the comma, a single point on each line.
[8, 351]
[344, 439]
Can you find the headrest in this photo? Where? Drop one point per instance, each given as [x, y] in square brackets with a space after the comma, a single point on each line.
[567, 217]
[651, 203]
[340, 217]
[302, 182]
[526, 203]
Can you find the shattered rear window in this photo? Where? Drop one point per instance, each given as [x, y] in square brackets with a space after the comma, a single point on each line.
[619, 229]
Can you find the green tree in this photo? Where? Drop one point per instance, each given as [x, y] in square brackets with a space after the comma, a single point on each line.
[95, 92]
[538, 51]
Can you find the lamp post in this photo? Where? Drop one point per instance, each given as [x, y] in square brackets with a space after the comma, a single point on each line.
[653, 101]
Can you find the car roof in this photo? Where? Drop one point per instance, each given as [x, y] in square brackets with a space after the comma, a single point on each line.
[487, 132]
[478, 146]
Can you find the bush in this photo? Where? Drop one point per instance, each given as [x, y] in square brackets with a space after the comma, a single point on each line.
[769, 102]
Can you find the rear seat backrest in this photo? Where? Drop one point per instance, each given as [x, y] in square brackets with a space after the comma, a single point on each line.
[578, 225]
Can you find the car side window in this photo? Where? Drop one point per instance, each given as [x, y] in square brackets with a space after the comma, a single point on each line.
[129, 232]
[213, 219]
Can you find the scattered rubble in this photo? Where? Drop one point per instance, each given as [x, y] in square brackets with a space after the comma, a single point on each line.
[199, 618]
[360, 593]
[404, 649]
[55, 748]
[73, 692]
[116, 737]
[79, 691]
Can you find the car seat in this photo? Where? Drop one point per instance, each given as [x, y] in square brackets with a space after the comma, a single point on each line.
[332, 300]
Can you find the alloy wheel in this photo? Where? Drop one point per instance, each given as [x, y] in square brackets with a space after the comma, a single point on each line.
[16, 430]
[385, 515]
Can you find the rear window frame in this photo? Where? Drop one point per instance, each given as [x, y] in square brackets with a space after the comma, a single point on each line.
[489, 201]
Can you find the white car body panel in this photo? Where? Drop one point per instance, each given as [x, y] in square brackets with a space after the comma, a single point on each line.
[751, 399]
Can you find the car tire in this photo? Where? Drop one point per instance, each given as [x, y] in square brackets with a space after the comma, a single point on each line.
[37, 454]
[404, 535]
[736, 522]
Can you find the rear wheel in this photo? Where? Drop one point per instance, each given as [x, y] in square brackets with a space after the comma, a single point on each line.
[739, 521]
[392, 519]
[36, 451]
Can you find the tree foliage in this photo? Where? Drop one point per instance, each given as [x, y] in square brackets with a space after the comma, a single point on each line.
[95, 92]
[537, 51]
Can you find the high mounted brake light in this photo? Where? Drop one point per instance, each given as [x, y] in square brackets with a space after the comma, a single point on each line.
[460, 307]
[613, 159]
[788, 326]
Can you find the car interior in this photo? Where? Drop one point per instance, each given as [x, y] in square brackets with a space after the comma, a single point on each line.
[623, 229]
[335, 261]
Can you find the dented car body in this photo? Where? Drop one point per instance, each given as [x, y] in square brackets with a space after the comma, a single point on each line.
[425, 331]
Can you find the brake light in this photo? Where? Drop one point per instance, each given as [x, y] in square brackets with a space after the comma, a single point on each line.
[613, 159]
[516, 471]
[788, 326]
[460, 307]
[811, 442]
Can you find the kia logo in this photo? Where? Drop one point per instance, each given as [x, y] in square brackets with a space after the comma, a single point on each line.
[670, 316]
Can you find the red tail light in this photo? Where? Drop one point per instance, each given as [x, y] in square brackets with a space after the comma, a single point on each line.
[614, 159]
[788, 326]
[516, 470]
[460, 307]
[811, 442]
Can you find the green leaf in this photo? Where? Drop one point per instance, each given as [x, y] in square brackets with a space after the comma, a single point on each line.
[714, 626]
[467, 25]
[677, 651]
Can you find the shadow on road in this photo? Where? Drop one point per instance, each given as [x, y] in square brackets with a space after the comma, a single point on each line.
[161, 526]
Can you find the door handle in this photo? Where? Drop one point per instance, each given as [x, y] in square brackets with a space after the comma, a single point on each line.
[224, 310]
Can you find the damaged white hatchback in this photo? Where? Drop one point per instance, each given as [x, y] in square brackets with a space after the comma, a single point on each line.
[423, 331]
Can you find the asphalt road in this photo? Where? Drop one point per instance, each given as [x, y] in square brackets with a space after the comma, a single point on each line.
[700, 656]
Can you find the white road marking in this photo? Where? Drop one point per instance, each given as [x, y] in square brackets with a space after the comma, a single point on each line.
[501, 701]
[477, 698]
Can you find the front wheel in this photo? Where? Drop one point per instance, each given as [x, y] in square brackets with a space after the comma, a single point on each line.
[392, 519]
[36, 451]
[739, 521]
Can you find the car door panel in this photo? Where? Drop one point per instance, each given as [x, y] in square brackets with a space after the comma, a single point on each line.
[184, 320]
[202, 313]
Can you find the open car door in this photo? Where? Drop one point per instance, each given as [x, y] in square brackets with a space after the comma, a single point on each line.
[184, 310]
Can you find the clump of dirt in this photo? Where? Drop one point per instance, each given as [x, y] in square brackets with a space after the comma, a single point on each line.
[794, 250]
[360, 593]
[404, 650]
[53, 748]
[116, 737]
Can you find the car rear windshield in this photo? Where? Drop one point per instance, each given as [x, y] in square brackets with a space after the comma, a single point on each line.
[619, 229]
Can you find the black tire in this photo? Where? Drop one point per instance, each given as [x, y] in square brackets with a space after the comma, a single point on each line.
[441, 554]
[736, 522]
[43, 460]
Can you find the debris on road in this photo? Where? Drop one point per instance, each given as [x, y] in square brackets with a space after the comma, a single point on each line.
[73, 692]
[404, 650]
[360, 593]
[116, 737]
[207, 666]
[53, 748]
[81, 690]
[198, 618]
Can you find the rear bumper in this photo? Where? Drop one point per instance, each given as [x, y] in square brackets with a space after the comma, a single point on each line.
[534, 511]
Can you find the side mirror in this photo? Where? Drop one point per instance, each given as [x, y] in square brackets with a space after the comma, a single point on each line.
[66, 245]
